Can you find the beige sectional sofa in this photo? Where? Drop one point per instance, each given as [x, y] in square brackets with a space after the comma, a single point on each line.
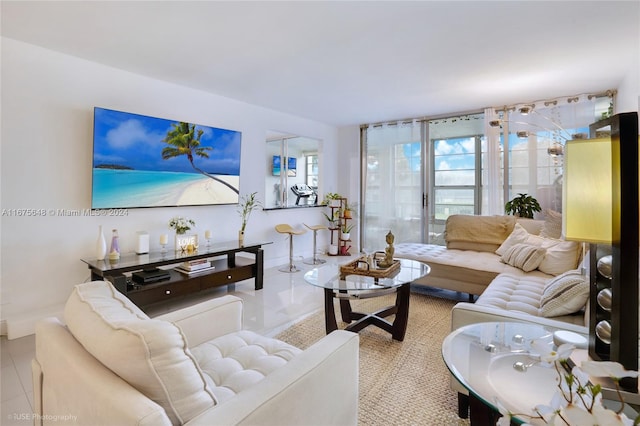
[479, 259]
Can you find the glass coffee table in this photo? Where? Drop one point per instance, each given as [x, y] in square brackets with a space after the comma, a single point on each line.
[363, 287]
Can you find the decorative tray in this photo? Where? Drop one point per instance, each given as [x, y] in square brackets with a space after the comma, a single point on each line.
[360, 266]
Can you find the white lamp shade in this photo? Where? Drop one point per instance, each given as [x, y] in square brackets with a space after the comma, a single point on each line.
[587, 186]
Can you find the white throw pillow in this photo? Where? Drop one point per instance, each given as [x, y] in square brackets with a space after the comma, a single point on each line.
[524, 256]
[151, 355]
[561, 256]
[518, 235]
[552, 227]
[565, 294]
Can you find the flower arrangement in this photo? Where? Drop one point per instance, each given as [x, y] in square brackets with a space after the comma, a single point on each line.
[181, 224]
[577, 401]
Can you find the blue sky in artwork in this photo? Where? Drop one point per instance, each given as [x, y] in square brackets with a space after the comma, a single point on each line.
[136, 141]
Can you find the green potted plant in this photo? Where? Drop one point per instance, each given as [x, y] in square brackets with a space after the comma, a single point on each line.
[248, 203]
[332, 199]
[345, 231]
[332, 220]
[522, 206]
[349, 210]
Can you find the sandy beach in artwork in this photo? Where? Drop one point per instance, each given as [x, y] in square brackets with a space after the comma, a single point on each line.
[209, 191]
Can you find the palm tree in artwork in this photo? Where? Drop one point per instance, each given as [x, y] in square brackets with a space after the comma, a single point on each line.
[183, 140]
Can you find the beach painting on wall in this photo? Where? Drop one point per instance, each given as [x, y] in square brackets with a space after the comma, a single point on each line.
[141, 161]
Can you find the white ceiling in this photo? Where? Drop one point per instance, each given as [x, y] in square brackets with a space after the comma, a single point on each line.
[347, 63]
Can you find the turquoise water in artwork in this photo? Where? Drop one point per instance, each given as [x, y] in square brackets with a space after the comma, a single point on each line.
[139, 188]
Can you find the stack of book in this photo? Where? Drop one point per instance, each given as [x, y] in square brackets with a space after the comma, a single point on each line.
[194, 266]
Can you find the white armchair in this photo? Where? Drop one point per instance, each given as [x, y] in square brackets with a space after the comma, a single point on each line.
[112, 365]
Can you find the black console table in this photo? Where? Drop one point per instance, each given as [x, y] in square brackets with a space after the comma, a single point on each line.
[228, 270]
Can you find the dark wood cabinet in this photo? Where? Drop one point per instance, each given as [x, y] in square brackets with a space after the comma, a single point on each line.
[228, 269]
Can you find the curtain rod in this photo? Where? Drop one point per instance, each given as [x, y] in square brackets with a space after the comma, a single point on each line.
[554, 101]
[610, 93]
[420, 119]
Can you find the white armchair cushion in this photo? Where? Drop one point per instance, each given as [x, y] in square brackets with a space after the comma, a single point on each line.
[238, 361]
[152, 355]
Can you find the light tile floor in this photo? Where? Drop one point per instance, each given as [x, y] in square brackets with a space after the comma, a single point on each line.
[284, 299]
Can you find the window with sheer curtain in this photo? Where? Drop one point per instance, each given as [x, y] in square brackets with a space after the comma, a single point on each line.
[536, 134]
[403, 165]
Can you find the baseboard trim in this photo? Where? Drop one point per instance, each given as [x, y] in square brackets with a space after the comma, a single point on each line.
[25, 325]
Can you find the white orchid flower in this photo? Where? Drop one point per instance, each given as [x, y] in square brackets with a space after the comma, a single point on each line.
[576, 415]
[550, 412]
[611, 369]
[580, 374]
[606, 417]
[548, 354]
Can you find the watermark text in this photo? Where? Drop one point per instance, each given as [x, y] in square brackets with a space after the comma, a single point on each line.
[28, 212]
[42, 417]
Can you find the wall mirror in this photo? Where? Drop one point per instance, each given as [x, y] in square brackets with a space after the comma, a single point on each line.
[292, 171]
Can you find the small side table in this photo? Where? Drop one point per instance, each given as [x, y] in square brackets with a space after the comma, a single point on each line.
[482, 357]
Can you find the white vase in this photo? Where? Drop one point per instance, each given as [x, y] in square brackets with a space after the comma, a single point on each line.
[101, 245]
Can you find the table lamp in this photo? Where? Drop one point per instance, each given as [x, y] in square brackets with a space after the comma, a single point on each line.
[600, 207]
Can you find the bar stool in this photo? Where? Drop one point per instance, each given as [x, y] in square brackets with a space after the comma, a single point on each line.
[314, 260]
[284, 228]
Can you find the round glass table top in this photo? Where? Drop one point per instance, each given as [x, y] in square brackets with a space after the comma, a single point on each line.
[328, 277]
[495, 362]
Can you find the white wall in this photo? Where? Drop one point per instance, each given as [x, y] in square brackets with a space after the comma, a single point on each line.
[628, 98]
[46, 156]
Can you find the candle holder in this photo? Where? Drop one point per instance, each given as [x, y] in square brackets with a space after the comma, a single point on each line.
[207, 236]
[164, 240]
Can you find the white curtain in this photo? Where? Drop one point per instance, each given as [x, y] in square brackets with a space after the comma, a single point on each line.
[392, 183]
[537, 134]
[492, 182]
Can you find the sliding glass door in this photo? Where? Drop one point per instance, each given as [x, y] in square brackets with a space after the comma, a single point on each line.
[416, 174]
[456, 181]
[456, 146]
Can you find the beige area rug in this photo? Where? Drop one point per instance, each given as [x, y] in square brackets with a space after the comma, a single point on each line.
[401, 383]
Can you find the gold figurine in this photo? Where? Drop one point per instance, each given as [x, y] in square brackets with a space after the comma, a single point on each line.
[388, 252]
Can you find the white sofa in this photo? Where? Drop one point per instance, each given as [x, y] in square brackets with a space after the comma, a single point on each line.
[112, 365]
[555, 296]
